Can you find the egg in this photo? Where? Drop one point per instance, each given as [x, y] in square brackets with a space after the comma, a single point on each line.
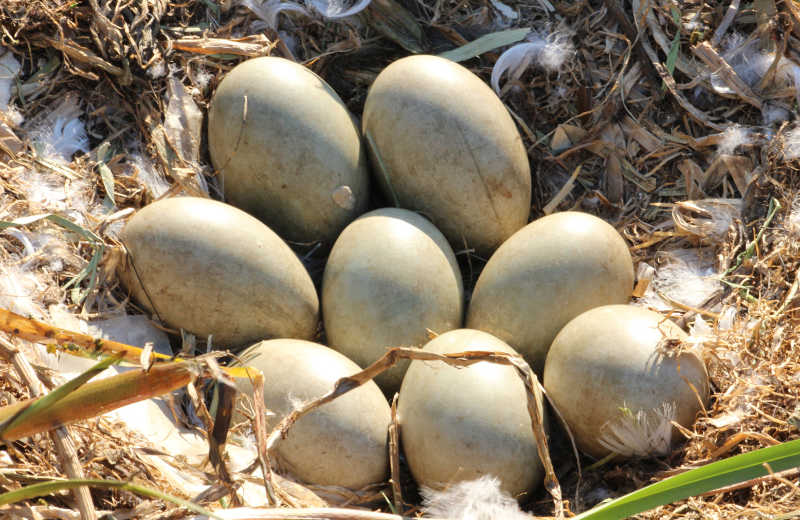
[342, 443]
[621, 357]
[445, 145]
[213, 270]
[549, 272]
[390, 277]
[459, 424]
[295, 160]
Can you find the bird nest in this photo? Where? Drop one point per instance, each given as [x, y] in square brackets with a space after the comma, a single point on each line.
[673, 121]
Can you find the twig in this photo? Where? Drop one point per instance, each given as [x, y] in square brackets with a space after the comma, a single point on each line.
[62, 437]
[638, 44]
[82, 54]
[693, 111]
[394, 458]
[774, 206]
[718, 65]
[730, 14]
[789, 297]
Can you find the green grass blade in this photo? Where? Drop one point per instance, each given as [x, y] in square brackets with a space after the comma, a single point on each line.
[672, 57]
[214, 7]
[734, 470]
[48, 488]
[675, 50]
[39, 405]
[486, 43]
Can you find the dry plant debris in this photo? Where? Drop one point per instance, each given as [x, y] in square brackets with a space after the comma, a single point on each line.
[674, 121]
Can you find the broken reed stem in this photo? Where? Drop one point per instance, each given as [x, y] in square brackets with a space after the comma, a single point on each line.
[38, 332]
[461, 359]
[394, 458]
[722, 28]
[98, 397]
[62, 437]
[261, 436]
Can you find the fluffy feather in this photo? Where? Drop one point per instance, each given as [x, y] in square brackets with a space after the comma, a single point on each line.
[338, 8]
[15, 115]
[684, 278]
[791, 145]
[728, 319]
[151, 176]
[640, 434]
[16, 286]
[293, 402]
[504, 9]
[771, 113]
[43, 246]
[734, 137]
[722, 216]
[53, 193]
[157, 70]
[59, 143]
[545, 49]
[751, 64]
[792, 222]
[479, 499]
[9, 69]
[267, 12]
[202, 77]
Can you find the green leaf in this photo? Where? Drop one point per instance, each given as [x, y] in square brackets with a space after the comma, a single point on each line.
[53, 64]
[224, 57]
[485, 44]
[61, 221]
[49, 488]
[39, 405]
[672, 57]
[728, 472]
[214, 7]
[675, 50]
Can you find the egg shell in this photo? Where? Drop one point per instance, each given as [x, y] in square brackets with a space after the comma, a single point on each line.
[451, 151]
[608, 358]
[296, 163]
[459, 424]
[551, 271]
[211, 269]
[342, 443]
[389, 278]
